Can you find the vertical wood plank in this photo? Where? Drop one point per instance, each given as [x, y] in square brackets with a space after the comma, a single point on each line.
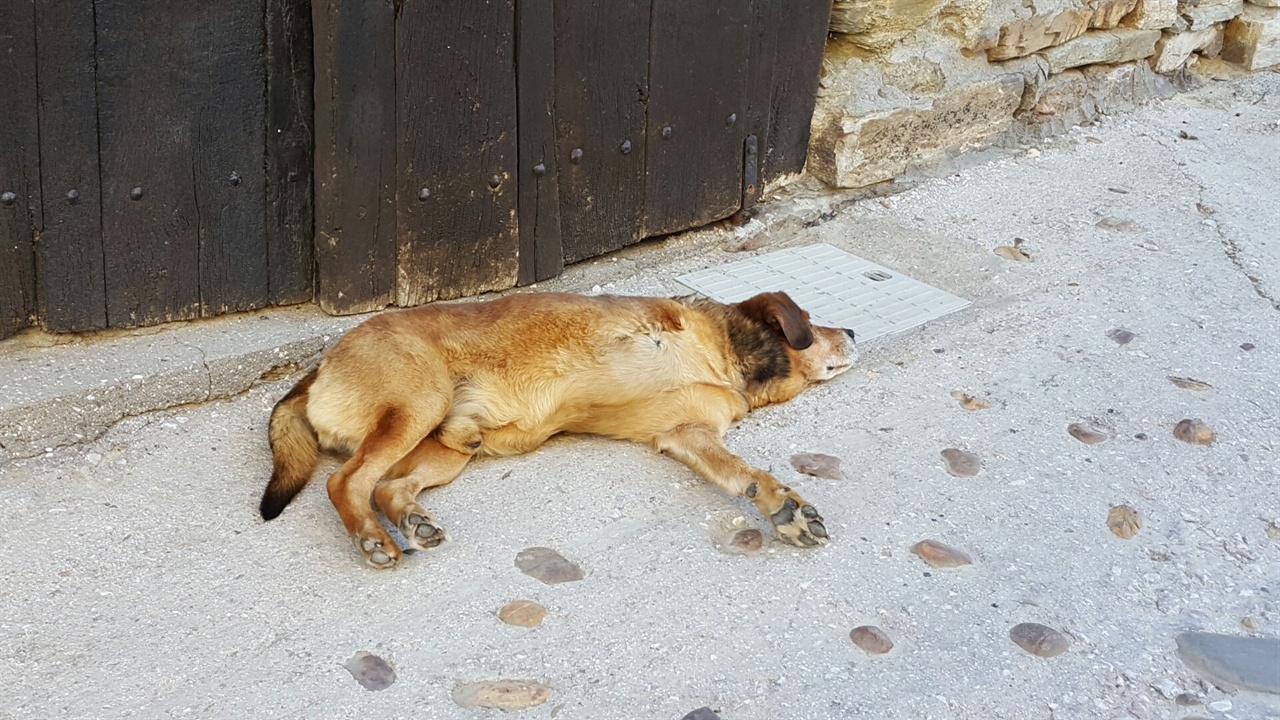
[697, 85]
[19, 165]
[289, 139]
[602, 86]
[72, 284]
[355, 160]
[541, 253]
[456, 215]
[797, 69]
[151, 243]
[227, 104]
[767, 17]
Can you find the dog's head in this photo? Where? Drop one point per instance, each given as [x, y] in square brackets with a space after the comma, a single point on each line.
[815, 353]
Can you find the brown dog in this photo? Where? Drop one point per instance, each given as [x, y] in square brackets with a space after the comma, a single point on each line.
[414, 394]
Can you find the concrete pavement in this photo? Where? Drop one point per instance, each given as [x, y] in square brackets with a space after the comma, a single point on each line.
[139, 581]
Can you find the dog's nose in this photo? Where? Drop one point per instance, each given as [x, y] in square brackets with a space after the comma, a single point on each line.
[849, 332]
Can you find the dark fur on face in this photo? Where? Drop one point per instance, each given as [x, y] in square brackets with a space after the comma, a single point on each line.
[760, 347]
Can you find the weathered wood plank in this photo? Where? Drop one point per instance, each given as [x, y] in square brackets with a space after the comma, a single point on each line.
[456, 214]
[19, 165]
[290, 135]
[228, 118]
[697, 88]
[602, 85]
[355, 159]
[797, 68]
[151, 244]
[541, 253]
[72, 284]
[762, 49]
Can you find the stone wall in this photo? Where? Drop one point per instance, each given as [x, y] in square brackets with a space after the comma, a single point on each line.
[908, 84]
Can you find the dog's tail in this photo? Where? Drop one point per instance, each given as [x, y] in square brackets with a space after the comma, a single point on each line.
[294, 449]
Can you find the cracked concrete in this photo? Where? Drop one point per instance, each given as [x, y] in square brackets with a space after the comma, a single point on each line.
[141, 583]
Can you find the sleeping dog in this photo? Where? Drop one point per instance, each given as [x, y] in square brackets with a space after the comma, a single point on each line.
[412, 395]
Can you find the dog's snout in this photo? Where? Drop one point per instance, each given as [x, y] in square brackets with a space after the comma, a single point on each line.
[849, 332]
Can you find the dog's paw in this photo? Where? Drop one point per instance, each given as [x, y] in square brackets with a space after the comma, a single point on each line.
[421, 529]
[799, 523]
[378, 553]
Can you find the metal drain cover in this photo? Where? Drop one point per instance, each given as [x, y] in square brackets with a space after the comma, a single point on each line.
[837, 288]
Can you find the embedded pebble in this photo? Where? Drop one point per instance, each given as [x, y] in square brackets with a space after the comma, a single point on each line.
[1187, 383]
[745, 542]
[1273, 529]
[371, 671]
[1013, 252]
[818, 465]
[1220, 706]
[1118, 224]
[1247, 346]
[961, 463]
[969, 402]
[501, 694]
[939, 555]
[1086, 434]
[1121, 336]
[1124, 521]
[523, 613]
[1188, 700]
[1038, 639]
[1167, 688]
[1194, 432]
[547, 565]
[871, 639]
[702, 713]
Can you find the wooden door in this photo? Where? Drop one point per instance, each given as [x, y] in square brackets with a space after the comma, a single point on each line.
[177, 191]
[672, 114]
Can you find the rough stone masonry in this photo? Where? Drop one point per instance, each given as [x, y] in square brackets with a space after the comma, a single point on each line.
[908, 84]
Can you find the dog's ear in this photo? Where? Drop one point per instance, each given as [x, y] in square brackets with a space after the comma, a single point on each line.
[779, 310]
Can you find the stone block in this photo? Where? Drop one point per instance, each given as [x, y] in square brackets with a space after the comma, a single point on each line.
[1108, 47]
[1265, 3]
[851, 152]
[1152, 15]
[1174, 49]
[1201, 14]
[1108, 13]
[1253, 39]
[1077, 97]
[877, 25]
[1029, 35]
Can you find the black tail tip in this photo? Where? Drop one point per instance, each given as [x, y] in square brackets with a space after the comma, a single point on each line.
[272, 506]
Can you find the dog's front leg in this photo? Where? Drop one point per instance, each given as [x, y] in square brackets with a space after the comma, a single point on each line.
[701, 448]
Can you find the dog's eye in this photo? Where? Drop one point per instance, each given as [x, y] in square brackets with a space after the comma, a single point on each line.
[830, 368]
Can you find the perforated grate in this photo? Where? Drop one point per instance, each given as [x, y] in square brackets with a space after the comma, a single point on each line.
[837, 288]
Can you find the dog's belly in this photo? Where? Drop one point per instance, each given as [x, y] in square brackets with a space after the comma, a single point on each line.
[638, 419]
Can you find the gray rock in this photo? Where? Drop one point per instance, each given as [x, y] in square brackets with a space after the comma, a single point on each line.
[1233, 662]
[547, 565]
[961, 463]
[1038, 639]
[371, 671]
[702, 713]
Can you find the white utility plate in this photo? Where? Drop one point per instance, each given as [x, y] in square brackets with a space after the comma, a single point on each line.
[838, 289]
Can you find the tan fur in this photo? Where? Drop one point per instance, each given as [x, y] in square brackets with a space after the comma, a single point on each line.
[412, 395]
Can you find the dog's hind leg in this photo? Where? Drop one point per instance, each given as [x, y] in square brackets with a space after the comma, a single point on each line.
[397, 431]
[701, 448]
[430, 464]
